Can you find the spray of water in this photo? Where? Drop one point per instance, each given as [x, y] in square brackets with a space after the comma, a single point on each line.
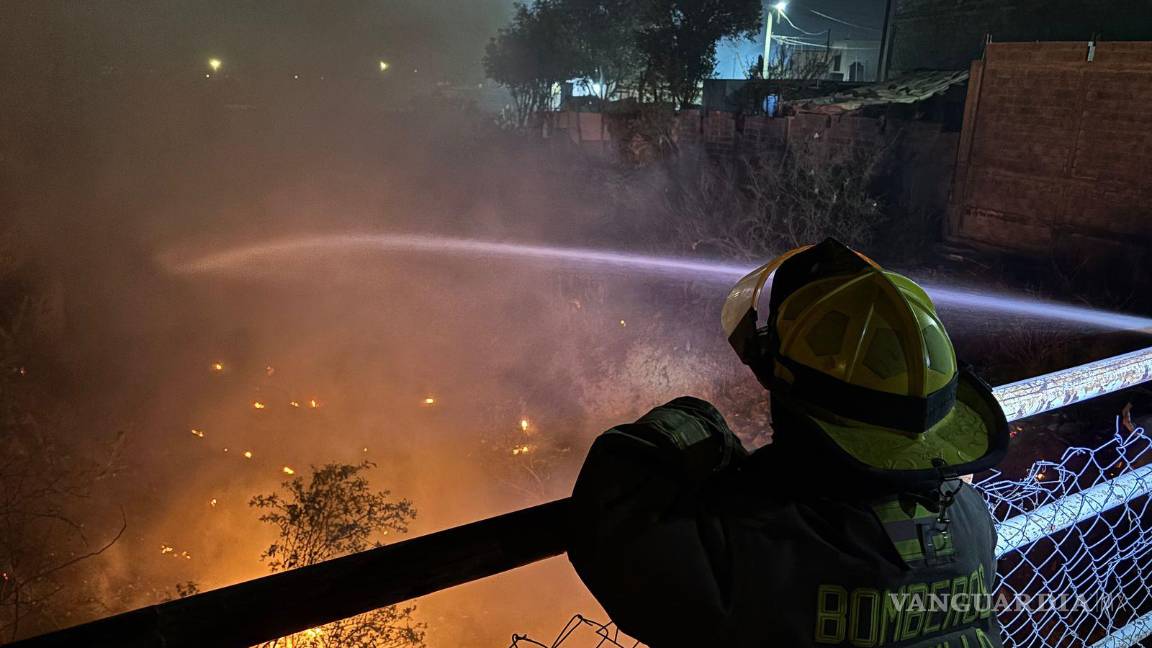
[302, 249]
[305, 248]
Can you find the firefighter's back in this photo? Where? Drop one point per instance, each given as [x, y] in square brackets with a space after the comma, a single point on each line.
[827, 569]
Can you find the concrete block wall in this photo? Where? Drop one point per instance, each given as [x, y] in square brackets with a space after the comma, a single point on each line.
[1056, 149]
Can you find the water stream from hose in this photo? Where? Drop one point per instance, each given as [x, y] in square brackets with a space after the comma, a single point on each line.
[599, 260]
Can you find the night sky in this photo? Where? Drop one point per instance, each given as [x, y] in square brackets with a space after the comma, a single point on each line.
[442, 39]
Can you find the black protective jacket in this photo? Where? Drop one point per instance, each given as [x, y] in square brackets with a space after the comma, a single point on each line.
[687, 541]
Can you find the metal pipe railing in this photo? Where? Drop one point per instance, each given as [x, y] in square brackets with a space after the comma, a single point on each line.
[1068, 511]
[1058, 389]
[274, 606]
[281, 604]
[1131, 634]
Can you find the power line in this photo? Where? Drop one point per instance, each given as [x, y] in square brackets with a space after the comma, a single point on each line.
[789, 40]
[843, 22]
[806, 33]
[795, 39]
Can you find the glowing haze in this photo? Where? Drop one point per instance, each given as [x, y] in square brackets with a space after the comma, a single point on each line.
[229, 289]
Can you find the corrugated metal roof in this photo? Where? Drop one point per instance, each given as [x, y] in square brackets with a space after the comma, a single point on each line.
[909, 88]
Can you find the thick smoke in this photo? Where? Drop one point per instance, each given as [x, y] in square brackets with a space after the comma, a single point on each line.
[122, 155]
[119, 156]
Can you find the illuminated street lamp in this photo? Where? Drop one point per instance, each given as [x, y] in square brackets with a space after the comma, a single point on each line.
[215, 64]
[779, 8]
[383, 66]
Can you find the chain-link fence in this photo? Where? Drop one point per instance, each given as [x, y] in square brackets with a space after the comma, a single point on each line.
[1075, 539]
[1074, 546]
[582, 632]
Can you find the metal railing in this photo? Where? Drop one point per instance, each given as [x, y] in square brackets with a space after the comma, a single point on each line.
[281, 604]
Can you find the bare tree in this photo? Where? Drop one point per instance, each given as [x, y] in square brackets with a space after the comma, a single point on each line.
[524, 455]
[44, 488]
[334, 513]
[758, 206]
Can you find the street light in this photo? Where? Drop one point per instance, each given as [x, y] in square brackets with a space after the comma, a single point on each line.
[383, 66]
[779, 7]
[215, 64]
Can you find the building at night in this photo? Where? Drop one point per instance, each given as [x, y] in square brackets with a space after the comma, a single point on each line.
[846, 60]
[950, 34]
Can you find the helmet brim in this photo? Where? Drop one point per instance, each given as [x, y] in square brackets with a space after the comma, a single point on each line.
[971, 438]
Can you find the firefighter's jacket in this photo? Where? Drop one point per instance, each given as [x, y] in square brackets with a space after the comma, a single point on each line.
[687, 541]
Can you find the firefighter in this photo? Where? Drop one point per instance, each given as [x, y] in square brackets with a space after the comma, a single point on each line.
[854, 527]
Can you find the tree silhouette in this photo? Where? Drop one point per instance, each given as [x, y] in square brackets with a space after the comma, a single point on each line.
[47, 525]
[679, 38]
[532, 55]
[332, 513]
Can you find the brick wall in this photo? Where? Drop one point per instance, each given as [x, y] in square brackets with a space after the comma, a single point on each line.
[948, 34]
[1056, 150]
[922, 154]
[731, 134]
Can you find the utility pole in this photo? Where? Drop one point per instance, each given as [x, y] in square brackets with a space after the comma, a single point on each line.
[779, 6]
[885, 58]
